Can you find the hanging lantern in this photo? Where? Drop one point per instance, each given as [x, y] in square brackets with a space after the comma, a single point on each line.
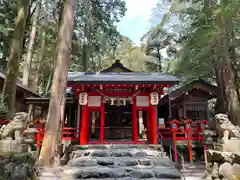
[154, 98]
[83, 98]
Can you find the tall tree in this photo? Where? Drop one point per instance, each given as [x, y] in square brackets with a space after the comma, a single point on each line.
[43, 44]
[209, 49]
[28, 61]
[9, 88]
[161, 37]
[225, 65]
[57, 101]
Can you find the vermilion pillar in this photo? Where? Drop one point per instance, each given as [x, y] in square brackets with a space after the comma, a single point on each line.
[154, 135]
[134, 121]
[84, 126]
[102, 122]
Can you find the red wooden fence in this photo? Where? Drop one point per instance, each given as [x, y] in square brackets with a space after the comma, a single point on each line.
[190, 132]
[68, 134]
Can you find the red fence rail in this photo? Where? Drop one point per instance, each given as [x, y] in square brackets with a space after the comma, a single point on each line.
[68, 134]
[190, 132]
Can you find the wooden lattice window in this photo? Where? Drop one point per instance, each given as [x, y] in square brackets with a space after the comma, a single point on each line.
[196, 111]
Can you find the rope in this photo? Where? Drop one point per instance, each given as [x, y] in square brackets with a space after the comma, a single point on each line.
[105, 96]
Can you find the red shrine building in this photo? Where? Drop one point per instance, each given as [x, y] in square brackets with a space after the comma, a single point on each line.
[118, 103]
[114, 105]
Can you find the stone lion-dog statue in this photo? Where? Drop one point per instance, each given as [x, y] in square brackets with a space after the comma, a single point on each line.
[15, 128]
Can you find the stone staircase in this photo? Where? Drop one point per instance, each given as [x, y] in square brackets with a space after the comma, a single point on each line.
[110, 162]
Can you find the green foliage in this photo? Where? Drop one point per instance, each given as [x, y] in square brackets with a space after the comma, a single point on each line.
[95, 25]
[8, 11]
[95, 28]
[200, 35]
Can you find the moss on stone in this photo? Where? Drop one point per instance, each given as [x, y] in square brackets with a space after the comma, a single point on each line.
[8, 154]
[15, 161]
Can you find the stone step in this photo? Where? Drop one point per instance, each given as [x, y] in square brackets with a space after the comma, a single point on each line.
[117, 153]
[118, 146]
[106, 173]
[123, 172]
[114, 162]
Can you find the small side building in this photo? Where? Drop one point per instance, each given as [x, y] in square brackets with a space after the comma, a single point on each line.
[22, 92]
[189, 101]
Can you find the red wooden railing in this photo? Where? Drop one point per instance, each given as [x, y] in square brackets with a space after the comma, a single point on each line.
[187, 133]
[68, 134]
[190, 132]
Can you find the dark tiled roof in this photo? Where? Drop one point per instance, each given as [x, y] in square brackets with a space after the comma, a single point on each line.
[21, 86]
[120, 77]
[115, 65]
[202, 85]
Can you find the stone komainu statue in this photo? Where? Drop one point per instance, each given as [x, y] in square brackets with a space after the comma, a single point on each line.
[15, 128]
[225, 129]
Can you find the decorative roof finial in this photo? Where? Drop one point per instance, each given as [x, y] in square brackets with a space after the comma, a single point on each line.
[117, 61]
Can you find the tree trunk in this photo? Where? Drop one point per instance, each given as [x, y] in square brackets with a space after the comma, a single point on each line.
[226, 68]
[86, 48]
[28, 61]
[55, 112]
[229, 89]
[60, 8]
[159, 60]
[9, 88]
[221, 103]
[227, 77]
[43, 43]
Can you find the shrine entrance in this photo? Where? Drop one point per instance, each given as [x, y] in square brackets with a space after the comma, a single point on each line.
[117, 123]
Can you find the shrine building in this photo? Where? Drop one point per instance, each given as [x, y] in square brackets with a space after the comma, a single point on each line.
[116, 104]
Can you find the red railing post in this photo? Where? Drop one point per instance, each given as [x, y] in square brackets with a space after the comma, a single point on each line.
[174, 131]
[38, 140]
[188, 132]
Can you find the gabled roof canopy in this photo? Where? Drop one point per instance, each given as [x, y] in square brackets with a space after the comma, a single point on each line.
[120, 78]
[210, 90]
[118, 74]
[117, 67]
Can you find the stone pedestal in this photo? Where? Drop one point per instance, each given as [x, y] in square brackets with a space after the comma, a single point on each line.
[16, 166]
[9, 145]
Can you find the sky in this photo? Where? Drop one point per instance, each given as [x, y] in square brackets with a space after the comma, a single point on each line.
[135, 23]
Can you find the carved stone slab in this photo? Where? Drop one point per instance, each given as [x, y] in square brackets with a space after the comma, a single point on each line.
[8, 145]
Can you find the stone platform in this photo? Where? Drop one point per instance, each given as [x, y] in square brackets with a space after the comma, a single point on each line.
[110, 162]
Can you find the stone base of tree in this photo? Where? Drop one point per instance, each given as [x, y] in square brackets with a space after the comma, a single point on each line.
[15, 166]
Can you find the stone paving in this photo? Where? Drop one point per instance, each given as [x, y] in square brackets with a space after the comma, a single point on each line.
[115, 162]
[193, 171]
